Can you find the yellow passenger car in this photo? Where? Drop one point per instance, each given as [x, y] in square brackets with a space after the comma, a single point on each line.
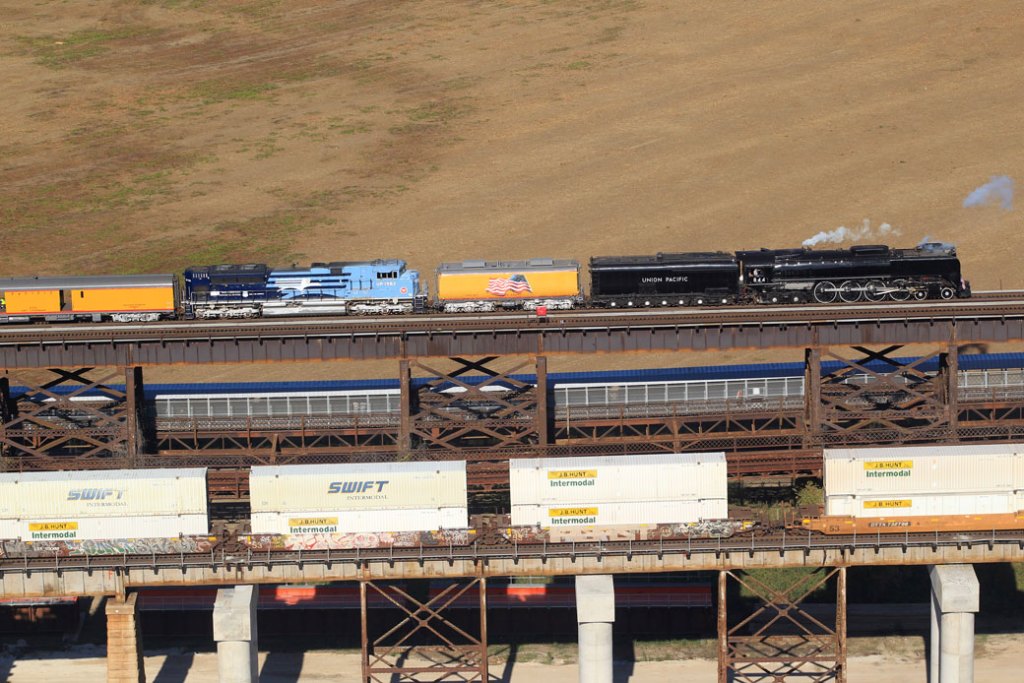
[487, 285]
[123, 298]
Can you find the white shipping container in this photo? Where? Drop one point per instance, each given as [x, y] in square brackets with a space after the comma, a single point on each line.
[404, 496]
[98, 528]
[924, 480]
[103, 504]
[628, 513]
[640, 489]
[358, 521]
[918, 505]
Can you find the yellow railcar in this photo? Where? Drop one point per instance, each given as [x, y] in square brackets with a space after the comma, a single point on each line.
[124, 298]
[487, 285]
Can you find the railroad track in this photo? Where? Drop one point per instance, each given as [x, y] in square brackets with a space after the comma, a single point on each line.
[996, 307]
[779, 541]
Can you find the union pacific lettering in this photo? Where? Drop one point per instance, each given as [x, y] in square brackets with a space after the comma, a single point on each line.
[655, 279]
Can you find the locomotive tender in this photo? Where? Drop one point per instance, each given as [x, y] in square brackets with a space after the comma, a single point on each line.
[871, 274]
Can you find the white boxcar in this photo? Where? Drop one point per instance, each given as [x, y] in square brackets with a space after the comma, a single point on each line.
[358, 498]
[924, 480]
[618, 490]
[103, 504]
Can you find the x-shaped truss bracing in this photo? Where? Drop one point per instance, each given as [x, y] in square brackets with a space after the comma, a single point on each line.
[492, 410]
[424, 645]
[92, 424]
[780, 641]
[894, 400]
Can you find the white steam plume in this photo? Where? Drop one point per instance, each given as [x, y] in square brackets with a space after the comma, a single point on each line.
[998, 189]
[845, 234]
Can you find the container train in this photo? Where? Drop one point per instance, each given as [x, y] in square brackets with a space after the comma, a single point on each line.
[555, 500]
[773, 276]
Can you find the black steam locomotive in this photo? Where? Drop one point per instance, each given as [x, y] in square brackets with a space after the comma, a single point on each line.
[870, 273]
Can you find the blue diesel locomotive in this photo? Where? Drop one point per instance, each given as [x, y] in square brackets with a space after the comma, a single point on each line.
[254, 290]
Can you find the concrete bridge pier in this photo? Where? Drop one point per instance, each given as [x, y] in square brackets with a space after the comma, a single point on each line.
[595, 614]
[954, 603]
[234, 629]
[124, 641]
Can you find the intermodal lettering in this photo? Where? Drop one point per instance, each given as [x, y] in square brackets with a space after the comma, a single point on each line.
[886, 469]
[572, 478]
[313, 525]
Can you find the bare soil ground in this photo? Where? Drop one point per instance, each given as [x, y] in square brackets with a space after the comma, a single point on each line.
[891, 661]
[148, 135]
[145, 135]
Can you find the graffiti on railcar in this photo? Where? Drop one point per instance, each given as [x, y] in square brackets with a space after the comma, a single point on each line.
[117, 546]
[654, 532]
[351, 541]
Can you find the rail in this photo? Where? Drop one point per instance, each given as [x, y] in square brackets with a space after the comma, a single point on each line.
[782, 542]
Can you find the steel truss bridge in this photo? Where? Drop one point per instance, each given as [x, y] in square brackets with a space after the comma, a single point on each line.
[497, 416]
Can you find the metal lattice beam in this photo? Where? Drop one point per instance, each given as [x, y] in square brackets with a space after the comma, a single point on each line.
[44, 427]
[494, 409]
[424, 645]
[779, 641]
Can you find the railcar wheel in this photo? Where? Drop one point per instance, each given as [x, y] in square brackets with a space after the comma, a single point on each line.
[900, 290]
[947, 293]
[874, 291]
[850, 292]
[921, 294]
[825, 292]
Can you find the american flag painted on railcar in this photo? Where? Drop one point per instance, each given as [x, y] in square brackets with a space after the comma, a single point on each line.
[500, 286]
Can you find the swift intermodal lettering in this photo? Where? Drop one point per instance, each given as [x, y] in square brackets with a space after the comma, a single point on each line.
[500, 286]
[95, 494]
[357, 486]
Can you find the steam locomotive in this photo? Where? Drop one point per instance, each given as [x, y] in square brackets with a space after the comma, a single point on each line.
[862, 273]
[772, 276]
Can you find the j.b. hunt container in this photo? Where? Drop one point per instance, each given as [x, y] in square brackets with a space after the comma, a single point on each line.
[618, 490]
[103, 504]
[358, 498]
[906, 488]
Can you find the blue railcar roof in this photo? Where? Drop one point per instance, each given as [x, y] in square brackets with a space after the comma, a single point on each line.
[743, 371]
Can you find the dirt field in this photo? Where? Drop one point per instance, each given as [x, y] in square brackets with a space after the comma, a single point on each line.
[146, 135]
[998, 660]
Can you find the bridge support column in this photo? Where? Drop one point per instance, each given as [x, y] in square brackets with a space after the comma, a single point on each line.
[124, 642]
[595, 614]
[234, 629]
[955, 601]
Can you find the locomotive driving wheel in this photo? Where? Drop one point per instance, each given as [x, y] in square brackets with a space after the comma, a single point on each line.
[825, 292]
[874, 291]
[850, 291]
[899, 290]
